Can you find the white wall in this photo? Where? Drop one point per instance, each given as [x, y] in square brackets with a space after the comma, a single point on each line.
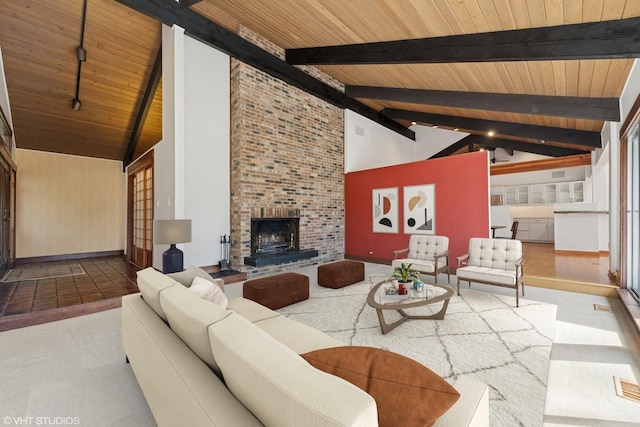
[368, 145]
[191, 163]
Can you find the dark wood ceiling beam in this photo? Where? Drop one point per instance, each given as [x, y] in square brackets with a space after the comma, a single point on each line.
[197, 26]
[605, 109]
[143, 111]
[593, 40]
[569, 136]
[454, 147]
[544, 164]
[527, 147]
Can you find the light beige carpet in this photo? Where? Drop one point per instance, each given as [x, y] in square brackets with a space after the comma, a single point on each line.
[483, 336]
[38, 273]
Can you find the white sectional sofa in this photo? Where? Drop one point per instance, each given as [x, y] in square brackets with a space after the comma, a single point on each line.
[200, 365]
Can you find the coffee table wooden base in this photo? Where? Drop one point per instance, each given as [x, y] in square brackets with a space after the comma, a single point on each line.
[401, 306]
[388, 327]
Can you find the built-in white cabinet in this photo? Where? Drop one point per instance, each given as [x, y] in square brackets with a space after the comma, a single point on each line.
[535, 229]
[539, 194]
[571, 192]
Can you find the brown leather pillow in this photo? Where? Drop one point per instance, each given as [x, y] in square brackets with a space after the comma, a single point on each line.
[407, 393]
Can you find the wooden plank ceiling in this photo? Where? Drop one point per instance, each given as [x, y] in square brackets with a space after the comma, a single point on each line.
[38, 39]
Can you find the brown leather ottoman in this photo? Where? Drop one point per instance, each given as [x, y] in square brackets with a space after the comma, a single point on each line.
[340, 274]
[277, 291]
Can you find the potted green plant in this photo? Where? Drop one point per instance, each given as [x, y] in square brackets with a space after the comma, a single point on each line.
[404, 273]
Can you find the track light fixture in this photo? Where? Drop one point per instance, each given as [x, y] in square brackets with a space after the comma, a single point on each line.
[81, 54]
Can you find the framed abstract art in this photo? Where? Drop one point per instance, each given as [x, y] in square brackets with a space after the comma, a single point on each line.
[420, 209]
[385, 210]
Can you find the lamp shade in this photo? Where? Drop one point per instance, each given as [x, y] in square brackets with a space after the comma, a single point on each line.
[171, 231]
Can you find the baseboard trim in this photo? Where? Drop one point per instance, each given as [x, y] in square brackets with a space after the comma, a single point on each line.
[69, 256]
[368, 259]
[608, 291]
[576, 253]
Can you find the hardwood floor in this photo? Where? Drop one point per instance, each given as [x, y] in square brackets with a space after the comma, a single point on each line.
[31, 302]
[586, 273]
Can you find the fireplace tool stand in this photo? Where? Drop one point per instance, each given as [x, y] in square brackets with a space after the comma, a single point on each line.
[226, 244]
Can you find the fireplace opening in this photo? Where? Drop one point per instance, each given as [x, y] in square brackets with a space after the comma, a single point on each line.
[274, 235]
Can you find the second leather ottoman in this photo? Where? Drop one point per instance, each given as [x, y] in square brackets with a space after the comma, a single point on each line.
[278, 290]
[340, 274]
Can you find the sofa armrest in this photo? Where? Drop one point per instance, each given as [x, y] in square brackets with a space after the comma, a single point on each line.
[399, 251]
[462, 259]
[520, 267]
[472, 409]
[444, 254]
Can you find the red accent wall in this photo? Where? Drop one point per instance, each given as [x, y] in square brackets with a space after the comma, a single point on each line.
[462, 203]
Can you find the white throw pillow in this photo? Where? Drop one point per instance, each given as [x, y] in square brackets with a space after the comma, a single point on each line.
[209, 291]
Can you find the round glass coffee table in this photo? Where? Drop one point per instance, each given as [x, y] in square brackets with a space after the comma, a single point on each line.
[431, 294]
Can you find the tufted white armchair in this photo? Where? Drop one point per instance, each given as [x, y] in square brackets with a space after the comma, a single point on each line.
[428, 254]
[497, 262]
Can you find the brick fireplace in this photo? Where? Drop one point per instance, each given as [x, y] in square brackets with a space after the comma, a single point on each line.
[287, 152]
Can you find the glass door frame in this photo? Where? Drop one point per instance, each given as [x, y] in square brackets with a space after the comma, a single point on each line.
[628, 146]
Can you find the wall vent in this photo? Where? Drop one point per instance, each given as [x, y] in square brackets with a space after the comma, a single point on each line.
[557, 174]
[359, 131]
[627, 389]
[600, 307]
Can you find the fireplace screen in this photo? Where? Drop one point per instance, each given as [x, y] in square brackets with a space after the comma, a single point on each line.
[271, 235]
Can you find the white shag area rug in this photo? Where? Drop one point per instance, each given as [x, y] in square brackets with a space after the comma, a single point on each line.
[483, 336]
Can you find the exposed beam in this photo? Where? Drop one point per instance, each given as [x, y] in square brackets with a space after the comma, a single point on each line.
[569, 136]
[545, 164]
[197, 26]
[605, 109]
[593, 40]
[467, 140]
[189, 2]
[527, 147]
[145, 106]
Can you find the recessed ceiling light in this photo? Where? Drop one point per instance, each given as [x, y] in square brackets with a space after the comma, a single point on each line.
[413, 123]
[434, 126]
[542, 141]
[491, 133]
[456, 130]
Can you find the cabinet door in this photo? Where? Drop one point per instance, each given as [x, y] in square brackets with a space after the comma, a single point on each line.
[538, 230]
[523, 194]
[577, 191]
[497, 196]
[537, 194]
[510, 195]
[550, 195]
[564, 192]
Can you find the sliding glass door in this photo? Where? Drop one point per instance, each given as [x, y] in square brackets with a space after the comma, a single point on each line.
[633, 213]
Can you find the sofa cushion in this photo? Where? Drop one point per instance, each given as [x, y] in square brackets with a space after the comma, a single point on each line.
[278, 386]
[500, 254]
[407, 393]
[251, 310]
[189, 317]
[186, 277]
[209, 291]
[151, 282]
[298, 337]
[486, 274]
[422, 265]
